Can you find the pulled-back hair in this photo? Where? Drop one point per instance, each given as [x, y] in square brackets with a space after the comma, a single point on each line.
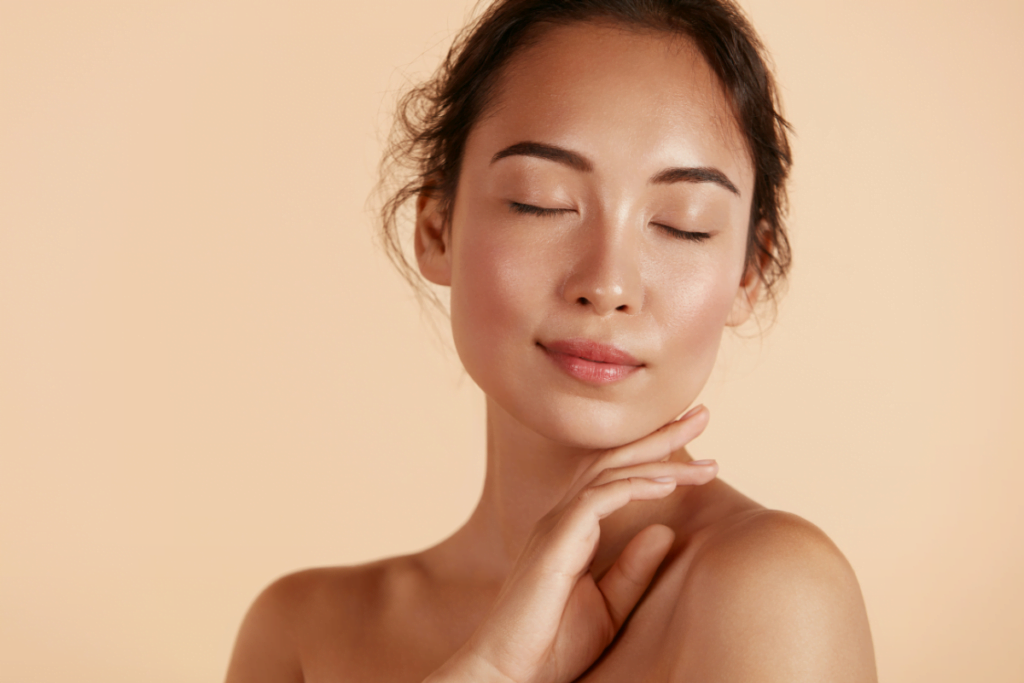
[434, 120]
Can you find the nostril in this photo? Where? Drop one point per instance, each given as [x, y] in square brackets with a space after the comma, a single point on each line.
[620, 308]
[582, 300]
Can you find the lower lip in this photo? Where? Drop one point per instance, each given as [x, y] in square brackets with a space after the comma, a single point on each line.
[590, 371]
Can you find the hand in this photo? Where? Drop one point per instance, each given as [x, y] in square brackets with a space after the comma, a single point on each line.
[552, 620]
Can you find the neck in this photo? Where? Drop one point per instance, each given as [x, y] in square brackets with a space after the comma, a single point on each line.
[527, 476]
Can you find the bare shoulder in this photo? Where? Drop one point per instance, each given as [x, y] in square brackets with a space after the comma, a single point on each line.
[289, 618]
[769, 597]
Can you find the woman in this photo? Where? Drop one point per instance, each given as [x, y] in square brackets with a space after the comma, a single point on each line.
[600, 183]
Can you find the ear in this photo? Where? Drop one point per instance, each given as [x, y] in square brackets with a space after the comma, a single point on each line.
[746, 298]
[748, 292]
[433, 251]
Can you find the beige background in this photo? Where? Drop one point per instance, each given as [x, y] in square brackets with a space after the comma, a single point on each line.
[209, 377]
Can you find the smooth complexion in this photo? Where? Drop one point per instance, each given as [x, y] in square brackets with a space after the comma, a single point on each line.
[595, 254]
[622, 257]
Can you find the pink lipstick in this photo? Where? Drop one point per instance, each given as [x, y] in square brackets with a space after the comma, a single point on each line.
[590, 361]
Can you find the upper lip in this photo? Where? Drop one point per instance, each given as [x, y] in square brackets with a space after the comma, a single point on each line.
[592, 351]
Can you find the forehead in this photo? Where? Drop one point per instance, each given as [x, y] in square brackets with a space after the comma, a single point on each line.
[629, 98]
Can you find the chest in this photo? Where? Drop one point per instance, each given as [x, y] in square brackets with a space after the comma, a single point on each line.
[404, 643]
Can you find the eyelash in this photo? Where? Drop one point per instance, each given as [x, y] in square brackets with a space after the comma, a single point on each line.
[684, 235]
[530, 210]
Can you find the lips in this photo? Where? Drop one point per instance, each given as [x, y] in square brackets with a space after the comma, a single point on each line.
[590, 361]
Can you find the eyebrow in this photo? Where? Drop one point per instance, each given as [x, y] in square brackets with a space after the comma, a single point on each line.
[700, 174]
[549, 152]
[578, 162]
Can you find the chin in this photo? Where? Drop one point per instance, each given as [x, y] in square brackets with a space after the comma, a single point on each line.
[591, 424]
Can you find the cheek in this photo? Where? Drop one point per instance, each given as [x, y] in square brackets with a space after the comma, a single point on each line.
[695, 294]
[699, 305]
[693, 305]
[494, 292]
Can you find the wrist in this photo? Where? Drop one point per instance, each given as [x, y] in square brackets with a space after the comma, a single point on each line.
[467, 667]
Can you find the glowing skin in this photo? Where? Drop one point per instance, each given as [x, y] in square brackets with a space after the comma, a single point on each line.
[595, 254]
[607, 268]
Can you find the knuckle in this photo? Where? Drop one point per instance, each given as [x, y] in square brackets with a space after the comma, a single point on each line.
[586, 496]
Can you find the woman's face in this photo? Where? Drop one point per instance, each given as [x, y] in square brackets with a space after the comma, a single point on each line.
[597, 237]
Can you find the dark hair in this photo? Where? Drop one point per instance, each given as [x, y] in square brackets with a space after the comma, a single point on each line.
[434, 119]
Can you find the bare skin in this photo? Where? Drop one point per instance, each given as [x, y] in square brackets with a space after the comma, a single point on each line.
[599, 551]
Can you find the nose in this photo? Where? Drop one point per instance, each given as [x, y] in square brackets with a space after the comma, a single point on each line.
[606, 275]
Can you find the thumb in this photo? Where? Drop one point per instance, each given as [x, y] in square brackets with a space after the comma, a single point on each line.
[624, 584]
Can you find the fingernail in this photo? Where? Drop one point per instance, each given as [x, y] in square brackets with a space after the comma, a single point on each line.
[700, 463]
[664, 480]
[691, 412]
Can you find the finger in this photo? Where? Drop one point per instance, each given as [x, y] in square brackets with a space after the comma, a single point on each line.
[568, 547]
[661, 443]
[580, 522]
[692, 473]
[657, 445]
[628, 579]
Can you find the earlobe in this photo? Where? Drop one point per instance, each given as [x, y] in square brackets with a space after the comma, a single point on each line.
[749, 291]
[433, 254]
[746, 298]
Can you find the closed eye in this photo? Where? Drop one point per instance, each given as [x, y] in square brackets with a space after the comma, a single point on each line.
[530, 210]
[684, 234]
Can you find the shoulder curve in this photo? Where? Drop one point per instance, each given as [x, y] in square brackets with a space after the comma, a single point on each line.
[265, 648]
[293, 610]
[764, 539]
[774, 597]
